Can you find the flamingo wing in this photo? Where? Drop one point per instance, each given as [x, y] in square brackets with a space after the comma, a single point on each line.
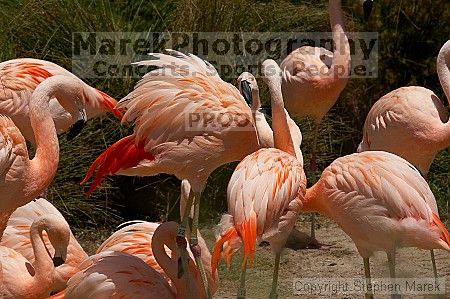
[135, 239]
[19, 78]
[386, 193]
[182, 98]
[263, 201]
[117, 275]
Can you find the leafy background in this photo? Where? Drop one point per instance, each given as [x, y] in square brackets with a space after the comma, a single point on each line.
[410, 36]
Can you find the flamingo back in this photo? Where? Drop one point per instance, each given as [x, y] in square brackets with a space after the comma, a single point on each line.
[117, 275]
[381, 201]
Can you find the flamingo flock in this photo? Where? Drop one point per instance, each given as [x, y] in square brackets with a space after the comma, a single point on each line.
[378, 195]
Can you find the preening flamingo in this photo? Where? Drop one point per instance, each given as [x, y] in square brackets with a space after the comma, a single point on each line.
[313, 79]
[20, 77]
[21, 278]
[136, 237]
[411, 121]
[263, 192]
[17, 237]
[23, 179]
[382, 202]
[182, 112]
[120, 275]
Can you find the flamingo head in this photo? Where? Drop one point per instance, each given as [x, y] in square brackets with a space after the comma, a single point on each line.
[367, 7]
[248, 87]
[98, 103]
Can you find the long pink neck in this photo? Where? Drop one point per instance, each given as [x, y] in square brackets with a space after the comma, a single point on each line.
[443, 70]
[43, 264]
[341, 54]
[42, 167]
[165, 234]
[281, 134]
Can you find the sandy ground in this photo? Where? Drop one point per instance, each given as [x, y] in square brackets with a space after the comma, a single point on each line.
[340, 261]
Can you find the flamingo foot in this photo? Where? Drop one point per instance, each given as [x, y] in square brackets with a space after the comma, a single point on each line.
[314, 244]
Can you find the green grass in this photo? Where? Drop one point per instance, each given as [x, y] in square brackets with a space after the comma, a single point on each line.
[411, 33]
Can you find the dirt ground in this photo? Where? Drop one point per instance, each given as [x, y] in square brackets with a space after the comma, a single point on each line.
[340, 261]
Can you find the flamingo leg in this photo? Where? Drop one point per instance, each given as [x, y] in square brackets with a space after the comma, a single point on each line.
[433, 262]
[391, 261]
[369, 294]
[195, 248]
[273, 292]
[313, 243]
[181, 239]
[241, 291]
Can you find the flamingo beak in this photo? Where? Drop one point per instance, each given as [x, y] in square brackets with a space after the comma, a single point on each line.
[246, 92]
[58, 261]
[367, 7]
[267, 110]
[77, 127]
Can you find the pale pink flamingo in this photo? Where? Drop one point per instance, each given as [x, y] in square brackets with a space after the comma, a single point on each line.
[21, 278]
[181, 113]
[17, 237]
[117, 275]
[411, 121]
[20, 77]
[263, 192]
[23, 179]
[382, 202]
[135, 238]
[313, 79]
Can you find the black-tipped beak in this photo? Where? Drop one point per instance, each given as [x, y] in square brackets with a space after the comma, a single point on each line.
[367, 7]
[58, 261]
[246, 92]
[76, 129]
[267, 110]
[80, 123]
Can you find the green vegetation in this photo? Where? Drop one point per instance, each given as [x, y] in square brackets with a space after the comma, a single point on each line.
[411, 34]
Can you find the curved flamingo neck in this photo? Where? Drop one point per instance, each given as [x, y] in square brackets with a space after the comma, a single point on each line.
[341, 53]
[282, 138]
[43, 264]
[443, 69]
[42, 167]
[165, 234]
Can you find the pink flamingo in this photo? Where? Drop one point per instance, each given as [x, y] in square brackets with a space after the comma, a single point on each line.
[120, 275]
[20, 77]
[17, 237]
[20, 278]
[411, 121]
[313, 79]
[263, 192]
[136, 237]
[178, 111]
[23, 179]
[382, 202]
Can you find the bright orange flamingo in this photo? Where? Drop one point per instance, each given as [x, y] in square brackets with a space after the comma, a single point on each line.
[20, 77]
[313, 79]
[263, 192]
[188, 122]
[23, 179]
[382, 202]
[117, 275]
[411, 121]
[17, 237]
[20, 278]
